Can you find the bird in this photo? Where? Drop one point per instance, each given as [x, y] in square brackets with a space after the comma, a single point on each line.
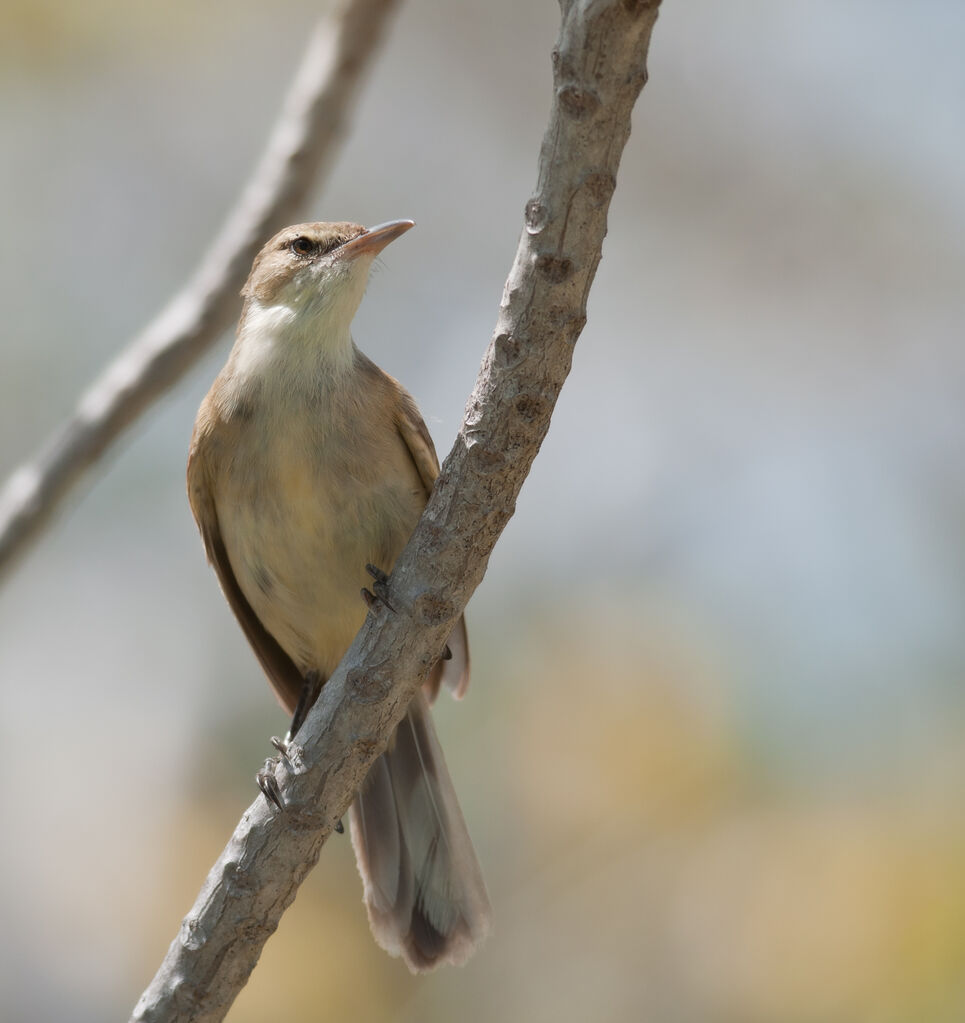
[308, 470]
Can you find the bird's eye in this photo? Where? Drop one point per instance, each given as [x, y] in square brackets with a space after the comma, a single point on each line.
[302, 246]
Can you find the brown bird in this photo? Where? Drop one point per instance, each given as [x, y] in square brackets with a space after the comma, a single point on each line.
[307, 464]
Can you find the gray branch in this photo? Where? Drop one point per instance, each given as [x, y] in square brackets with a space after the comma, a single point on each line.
[599, 67]
[303, 142]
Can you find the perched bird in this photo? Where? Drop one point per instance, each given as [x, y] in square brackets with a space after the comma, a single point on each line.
[307, 464]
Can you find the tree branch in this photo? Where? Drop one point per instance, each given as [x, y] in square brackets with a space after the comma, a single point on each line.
[599, 68]
[301, 146]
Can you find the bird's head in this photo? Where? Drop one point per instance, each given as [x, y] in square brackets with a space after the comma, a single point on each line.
[311, 277]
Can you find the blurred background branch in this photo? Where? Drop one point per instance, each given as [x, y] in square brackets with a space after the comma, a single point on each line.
[302, 144]
[599, 67]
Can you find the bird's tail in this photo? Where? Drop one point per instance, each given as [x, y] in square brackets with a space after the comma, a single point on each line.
[424, 890]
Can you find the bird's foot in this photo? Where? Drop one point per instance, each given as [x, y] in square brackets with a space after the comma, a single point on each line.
[266, 777]
[379, 594]
[311, 687]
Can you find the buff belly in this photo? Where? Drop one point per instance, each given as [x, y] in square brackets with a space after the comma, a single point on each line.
[299, 549]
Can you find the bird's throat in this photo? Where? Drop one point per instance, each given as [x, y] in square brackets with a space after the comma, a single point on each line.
[292, 343]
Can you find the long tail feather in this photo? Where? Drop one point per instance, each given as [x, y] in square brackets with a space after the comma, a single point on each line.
[424, 889]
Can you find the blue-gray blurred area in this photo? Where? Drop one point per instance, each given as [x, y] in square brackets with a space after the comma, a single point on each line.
[713, 755]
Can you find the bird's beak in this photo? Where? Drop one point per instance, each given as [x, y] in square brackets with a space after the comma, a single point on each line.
[374, 240]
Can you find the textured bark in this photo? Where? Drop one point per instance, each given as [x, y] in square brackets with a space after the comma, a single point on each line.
[599, 67]
[302, 144]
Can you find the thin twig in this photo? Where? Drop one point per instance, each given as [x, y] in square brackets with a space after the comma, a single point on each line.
[599, 68]
[302, 144]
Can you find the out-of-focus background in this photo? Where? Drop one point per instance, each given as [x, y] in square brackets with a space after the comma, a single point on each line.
[713, 754]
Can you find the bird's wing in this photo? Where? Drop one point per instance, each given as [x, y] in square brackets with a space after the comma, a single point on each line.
[417, 439]
[285, 678]
[452, 673]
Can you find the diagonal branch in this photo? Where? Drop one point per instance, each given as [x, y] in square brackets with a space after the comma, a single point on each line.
[303, 142]
[599, 68]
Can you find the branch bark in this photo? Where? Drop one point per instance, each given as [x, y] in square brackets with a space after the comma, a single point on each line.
[302, 144]
[599, 68]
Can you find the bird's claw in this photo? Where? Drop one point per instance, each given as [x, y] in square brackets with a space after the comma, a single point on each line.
[268, 785]
[379, 594]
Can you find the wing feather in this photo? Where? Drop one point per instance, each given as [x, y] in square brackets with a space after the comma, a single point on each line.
[285, 678]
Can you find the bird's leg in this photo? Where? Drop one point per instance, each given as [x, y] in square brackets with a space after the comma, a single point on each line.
[380, 588]
[311, 687]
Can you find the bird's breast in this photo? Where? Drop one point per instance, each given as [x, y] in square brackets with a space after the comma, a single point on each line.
[307, 499]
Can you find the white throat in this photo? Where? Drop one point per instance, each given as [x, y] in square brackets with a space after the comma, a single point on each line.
[281, 340]
[303, 335]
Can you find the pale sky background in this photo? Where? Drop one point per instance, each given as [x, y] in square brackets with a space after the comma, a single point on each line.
[738, 558]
